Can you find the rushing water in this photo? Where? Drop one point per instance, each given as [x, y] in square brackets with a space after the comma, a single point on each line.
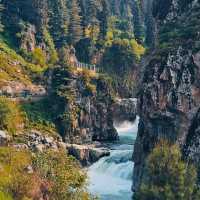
[111, 177]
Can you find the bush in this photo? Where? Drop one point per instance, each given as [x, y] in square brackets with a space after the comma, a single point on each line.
[53, 175]
[63, 172]
[138, 49]
[11, 117]
[121, 50]
[53, 57]
[168, 176]
[14, 178]
[90, 88]
[38, 57]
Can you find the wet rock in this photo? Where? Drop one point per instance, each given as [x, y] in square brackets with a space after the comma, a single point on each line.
[97, 153]
[87, 154]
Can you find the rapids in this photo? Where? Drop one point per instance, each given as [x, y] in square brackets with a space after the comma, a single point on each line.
[111, 177]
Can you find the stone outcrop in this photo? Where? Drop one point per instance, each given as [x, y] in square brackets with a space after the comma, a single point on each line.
[17, 89]
[169, 98]
[87, 154]
[28, 38]
[192, 144]
[39, 142]
[4, 138]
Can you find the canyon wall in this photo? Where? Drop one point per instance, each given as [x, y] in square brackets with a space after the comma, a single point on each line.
[169, 97]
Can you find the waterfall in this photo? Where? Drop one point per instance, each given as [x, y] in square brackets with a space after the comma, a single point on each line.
[111, 177]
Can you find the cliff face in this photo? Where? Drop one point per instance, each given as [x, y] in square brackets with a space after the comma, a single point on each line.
[83, 103]
[169, 98]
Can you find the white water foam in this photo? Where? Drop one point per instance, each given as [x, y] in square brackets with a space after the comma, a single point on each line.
[127, 127]
[111, 177]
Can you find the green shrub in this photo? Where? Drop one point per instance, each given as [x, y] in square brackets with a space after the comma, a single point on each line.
[14, 178]
[54, 174]
[168, 176]
[11, 117]
[38, 57]
[86, 76]
[52, 51]
[63, 172]
[10, 71]
[122, 50]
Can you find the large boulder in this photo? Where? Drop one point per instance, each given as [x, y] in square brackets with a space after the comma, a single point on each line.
[87, 154]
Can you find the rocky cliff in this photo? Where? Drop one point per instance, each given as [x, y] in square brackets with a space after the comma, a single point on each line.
[83, 106]
[169, 97]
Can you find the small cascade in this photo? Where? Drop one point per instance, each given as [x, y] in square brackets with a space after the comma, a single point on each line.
[111, 177]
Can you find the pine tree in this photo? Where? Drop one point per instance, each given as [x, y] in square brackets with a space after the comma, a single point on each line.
[138, 22]
[41, 17]
[129, 17]
[75, 27]
[93, 22]
[103, 18]
[59, 21]
[150, 26]
[92, 12]
[1, 24]
[41, 8]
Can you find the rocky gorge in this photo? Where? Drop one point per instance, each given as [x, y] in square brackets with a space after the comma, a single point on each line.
[107, 90]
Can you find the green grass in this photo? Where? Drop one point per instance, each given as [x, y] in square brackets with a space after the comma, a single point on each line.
[14, 67]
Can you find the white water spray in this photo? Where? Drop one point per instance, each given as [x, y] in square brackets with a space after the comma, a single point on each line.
[111, 177]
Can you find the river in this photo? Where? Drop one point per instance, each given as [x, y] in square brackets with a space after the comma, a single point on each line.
[111, 177]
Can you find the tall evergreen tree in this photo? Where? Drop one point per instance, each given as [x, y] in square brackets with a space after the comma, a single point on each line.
[75, 27]
[129, 17]
[41, 8]
[1, 24]
[138, 21]
[150, 25]
[103, 18]
[92, 12]
[59, 21]
[83, 14]
[93, 22]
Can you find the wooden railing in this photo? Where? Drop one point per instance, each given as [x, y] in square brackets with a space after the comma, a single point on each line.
[81, 65]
